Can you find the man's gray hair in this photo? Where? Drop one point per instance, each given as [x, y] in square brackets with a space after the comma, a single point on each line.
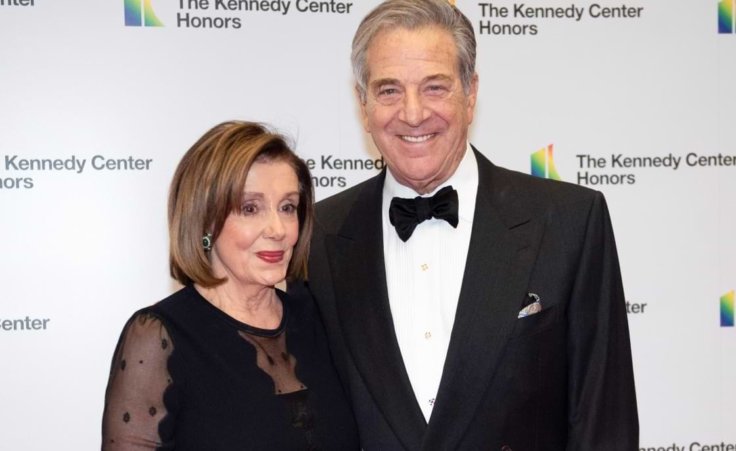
[413, 14]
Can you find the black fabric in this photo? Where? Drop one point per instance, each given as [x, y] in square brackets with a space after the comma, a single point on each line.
[186, 376]
[406, 214]
[558, 380]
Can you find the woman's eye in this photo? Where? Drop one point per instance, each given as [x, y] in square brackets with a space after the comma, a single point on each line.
[248, 209]
[289, 208]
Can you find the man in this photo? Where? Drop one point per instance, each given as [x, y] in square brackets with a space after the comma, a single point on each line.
[491, 317]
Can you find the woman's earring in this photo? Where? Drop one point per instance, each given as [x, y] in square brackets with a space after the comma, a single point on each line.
[207, 242]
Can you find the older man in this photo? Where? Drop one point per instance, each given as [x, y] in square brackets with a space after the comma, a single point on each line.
[468, 307]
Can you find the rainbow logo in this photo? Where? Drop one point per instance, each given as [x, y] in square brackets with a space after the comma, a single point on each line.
[140, 13]
[543, 164]
[727, 309]
[725, 16]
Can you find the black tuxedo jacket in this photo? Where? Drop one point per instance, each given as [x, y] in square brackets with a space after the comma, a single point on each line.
[560, 379]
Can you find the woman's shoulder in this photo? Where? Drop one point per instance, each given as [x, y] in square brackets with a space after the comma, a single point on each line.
[173, 306]
[147, 332]
[153, 323]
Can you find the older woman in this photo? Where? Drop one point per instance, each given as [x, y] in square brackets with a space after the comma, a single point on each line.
[229, 362]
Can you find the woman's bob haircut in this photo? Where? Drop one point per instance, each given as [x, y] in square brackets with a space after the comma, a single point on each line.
[208, 185]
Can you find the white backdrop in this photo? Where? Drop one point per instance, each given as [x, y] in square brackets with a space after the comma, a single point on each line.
[85, 246]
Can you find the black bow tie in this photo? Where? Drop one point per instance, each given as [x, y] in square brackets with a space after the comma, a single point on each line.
[406, 214]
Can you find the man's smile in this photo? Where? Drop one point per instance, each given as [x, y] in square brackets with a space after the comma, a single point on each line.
[417, 139]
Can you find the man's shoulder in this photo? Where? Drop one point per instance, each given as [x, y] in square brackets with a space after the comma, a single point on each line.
[538, 191]
[332, 210]
[342, 199]
[518, 198]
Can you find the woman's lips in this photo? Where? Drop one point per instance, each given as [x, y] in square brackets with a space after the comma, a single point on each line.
[271, 256]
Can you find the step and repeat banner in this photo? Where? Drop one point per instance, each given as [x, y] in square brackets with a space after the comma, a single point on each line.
[100, 99]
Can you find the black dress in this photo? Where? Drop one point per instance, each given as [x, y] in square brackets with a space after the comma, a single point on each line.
[186, 376]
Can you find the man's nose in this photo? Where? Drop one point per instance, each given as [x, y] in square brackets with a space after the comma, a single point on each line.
[413, 110]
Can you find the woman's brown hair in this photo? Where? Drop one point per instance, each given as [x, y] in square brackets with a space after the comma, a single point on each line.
[208, 185]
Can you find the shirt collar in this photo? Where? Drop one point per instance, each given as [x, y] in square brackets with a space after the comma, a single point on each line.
[464, 180]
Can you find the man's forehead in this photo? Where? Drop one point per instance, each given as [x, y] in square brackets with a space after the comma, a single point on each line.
[419, 53]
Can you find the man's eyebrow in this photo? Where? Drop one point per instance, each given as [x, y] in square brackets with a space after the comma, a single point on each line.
[436, 77]
[384, 81]
[393, 81]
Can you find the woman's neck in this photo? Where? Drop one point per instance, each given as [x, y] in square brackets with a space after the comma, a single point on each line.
[256, 305]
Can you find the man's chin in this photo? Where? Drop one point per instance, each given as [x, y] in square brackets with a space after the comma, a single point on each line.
[420, 181]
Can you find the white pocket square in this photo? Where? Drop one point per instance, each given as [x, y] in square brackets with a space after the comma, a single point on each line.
[534, 307]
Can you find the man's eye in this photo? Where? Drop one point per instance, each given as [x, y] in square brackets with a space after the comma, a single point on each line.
[435, 89]
[385, 92]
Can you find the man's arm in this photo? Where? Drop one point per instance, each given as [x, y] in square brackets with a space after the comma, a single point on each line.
[602, 412]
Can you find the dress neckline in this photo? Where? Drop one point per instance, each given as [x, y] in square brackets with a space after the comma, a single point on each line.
[268, 333]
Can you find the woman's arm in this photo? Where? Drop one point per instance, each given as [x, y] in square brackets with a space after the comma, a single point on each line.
[139, 377]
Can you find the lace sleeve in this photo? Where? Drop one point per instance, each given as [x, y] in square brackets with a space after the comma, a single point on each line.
[134, 400]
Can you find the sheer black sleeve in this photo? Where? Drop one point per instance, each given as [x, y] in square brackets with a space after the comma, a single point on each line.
[139, 378]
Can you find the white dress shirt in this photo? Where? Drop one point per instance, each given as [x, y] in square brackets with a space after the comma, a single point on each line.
[424, 276]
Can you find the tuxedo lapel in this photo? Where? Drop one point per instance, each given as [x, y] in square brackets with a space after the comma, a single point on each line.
[500, 258]
[357, 264]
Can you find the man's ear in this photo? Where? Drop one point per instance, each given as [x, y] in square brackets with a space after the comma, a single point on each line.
[361, 97]
[472, 97]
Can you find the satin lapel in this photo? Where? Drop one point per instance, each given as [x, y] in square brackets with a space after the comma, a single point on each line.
[356, 262]
[499, 262]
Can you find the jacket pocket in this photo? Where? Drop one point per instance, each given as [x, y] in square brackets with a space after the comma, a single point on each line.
[536, 323]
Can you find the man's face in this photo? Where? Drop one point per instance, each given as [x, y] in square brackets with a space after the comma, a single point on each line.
[416, 109]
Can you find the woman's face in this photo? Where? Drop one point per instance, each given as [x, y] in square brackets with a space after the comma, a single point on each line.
[256, 242]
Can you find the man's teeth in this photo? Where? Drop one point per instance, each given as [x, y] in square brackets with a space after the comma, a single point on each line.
[416, 139]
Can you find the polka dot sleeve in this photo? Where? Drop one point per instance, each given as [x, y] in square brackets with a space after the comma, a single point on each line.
[139, 378]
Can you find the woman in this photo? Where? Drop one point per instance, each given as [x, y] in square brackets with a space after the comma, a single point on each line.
[229, 362]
